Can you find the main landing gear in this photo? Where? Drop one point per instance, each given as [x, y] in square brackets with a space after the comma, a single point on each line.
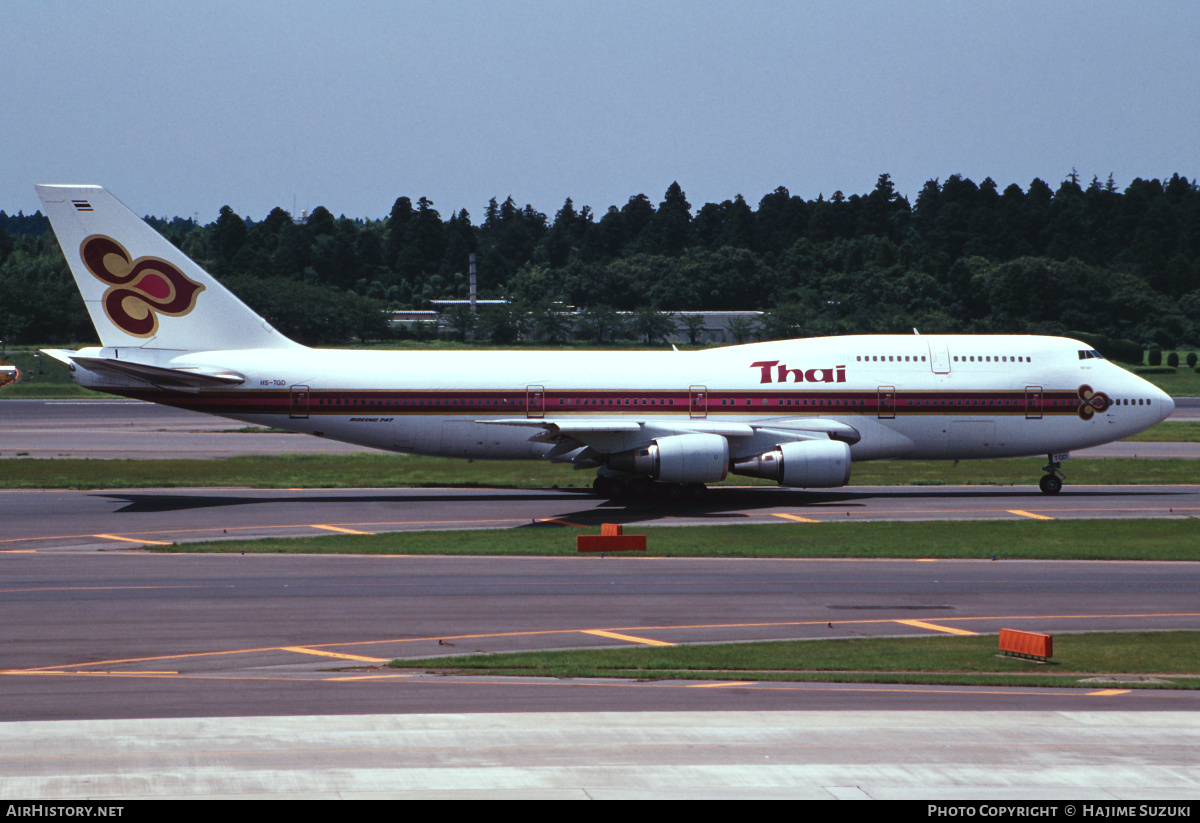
[643, 489]
[1052, 480]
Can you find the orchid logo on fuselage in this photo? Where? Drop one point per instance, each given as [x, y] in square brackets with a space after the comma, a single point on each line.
[139, 290]
[1092, 402]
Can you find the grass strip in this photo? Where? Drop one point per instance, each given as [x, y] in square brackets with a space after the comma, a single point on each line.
[1177, 431]
[378, 470]
[1183, 383]
[28, 390]
[1078, 658]
[980, 540]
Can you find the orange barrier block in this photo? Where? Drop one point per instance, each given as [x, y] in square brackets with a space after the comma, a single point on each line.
[610, 539]
[1026, 644]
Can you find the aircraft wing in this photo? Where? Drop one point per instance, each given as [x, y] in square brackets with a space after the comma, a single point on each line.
[582, 441]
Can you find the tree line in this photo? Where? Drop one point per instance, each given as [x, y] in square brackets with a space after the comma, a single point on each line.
[961, 257]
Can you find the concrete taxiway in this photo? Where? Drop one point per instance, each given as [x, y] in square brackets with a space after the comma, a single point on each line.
[813, 755]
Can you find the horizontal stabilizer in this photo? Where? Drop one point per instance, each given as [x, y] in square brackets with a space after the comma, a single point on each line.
[160, 376]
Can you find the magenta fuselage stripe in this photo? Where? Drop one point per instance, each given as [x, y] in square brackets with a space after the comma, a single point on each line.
[475, 402]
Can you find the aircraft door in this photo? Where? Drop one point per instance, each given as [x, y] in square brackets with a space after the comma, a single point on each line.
[535, 401]
[299, 406]
[698, 401]
[887, 402]
[939, 356]
[1033, 402]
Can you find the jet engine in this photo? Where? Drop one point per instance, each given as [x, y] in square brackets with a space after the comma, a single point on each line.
[810, 464]
[680, 458]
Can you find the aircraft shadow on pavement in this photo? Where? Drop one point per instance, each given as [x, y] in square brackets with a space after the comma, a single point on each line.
[719, 502]
[731, 503]
[142, 502]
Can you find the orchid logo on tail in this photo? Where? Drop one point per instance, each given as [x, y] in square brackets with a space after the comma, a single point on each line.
[139, 290]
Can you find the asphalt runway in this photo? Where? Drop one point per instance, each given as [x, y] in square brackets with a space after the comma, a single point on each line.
[263, 675]
[130, 429]
[135, 675]
[131, 635]
[56, 520]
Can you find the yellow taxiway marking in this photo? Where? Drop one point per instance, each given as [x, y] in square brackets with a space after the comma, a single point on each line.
[151, 673]
[58, 669]
[319, 653]
[921, 624]
[280, 527]
[628, 637]
[140, 540]
[1108, 692]
[18, 551]
[563, 522]
[798, 519]
[1029, 514]
[722, 685]
[98, 588]
[337, 529]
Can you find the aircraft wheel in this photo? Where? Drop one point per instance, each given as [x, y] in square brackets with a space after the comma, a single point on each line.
[1050, 484]
[672, 492]
[604, 486]
[640, 489]
[695, 492]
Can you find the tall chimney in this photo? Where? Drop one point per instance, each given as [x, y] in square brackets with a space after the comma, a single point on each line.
[472, 259]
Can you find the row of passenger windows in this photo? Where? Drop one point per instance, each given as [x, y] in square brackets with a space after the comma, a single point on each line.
[966, 358]
[991, 359]
[608, 401]
[890, 358]
[421, 401]
[833, 401]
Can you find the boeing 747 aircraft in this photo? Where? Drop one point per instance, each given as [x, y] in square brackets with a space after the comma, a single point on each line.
[800, 412]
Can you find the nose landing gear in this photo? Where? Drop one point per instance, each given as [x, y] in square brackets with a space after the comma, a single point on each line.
[1052, 481]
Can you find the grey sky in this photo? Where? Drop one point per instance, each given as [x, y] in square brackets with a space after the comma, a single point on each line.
[182, 108]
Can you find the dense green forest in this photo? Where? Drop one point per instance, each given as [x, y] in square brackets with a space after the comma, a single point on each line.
[962, 257]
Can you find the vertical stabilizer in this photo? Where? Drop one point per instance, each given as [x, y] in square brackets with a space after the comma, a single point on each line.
[140, 290]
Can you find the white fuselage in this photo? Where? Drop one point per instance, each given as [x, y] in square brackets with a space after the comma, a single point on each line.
[905, 397]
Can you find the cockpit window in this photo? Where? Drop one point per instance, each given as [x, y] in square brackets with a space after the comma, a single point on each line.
[1089, 354]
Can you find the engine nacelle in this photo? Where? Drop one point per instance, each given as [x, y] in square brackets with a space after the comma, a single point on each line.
[680, 458]
[809, 464]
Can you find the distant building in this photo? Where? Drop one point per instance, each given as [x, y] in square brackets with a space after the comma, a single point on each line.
[406, 318]
[716, 325]
[714, 330]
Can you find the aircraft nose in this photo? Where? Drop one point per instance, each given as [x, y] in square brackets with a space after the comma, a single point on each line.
[1166, 405]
